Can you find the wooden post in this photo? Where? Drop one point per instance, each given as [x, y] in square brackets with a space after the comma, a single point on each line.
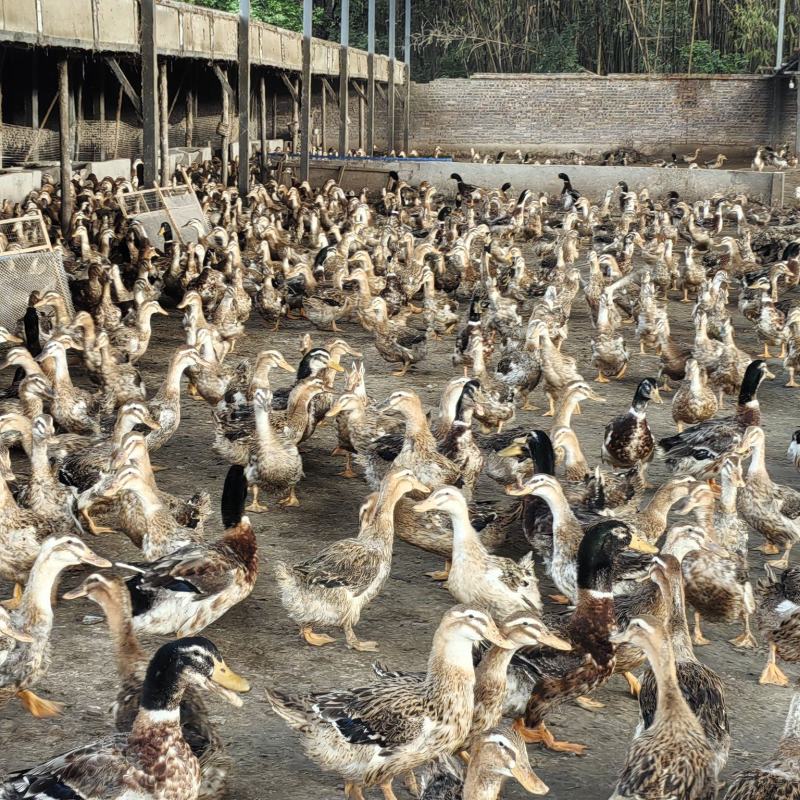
[344, 80]
[63, 136]
[323, 114]
[797, 115]
[118, 121]
[225, 126]
[78, 120]
[149, 91]
[362, 113]
[371, 78]
[163, 115]
[262, 108]
[101, 107]
[190, 113]
[244, 96]
[390, 105]
[407, 85]
[275, 115]
[305, 98]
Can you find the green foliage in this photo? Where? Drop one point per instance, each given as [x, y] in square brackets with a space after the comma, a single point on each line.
[705, 59]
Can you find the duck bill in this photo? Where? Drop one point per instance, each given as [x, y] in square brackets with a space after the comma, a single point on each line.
[494, 636]
[224, 678]
[152, 424]
[11, 339]
[425, 505]
[95, 560]
[284, 364]
[334, 411]
[620, 637]
[336, 366]
[6, 629]
[512, 450]
[418, 486]
[528, 779]
[596, 397]
[656, 397]
[77, 592]
[549, 639]
[518, 490]
[641, 546]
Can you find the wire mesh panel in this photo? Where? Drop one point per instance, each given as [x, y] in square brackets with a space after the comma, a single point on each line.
[27, 264]
[177, 206]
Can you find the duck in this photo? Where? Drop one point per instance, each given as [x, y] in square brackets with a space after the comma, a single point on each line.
[132, 340]
[188, 589]
[691, 450]
[779, 776]
[153, 760]
[112, 595]
[717, 579]
[372, 734]
[496, 756]
[500, 585]
[610, 356]
[672, 757]
[275, 464]
[568, 534]
[397, 344]
[693, 402]
[627, 439]
[542, 679]
[700, 686]
[334, 586]
[23, 662]
[778, 620]
[770, 508]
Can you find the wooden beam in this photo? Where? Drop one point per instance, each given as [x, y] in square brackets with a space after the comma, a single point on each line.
[359, 89]
[225, 122]
[222, 77]
[305, 100]
[163, 115]
[189, 141]
[149, 91]
[797, 115]
[244, 96]
[101, 108]
[390, 106]
[381, 91]
[274, 115]
[370, 148]
[344, 79]
[290, 85]
[323, 117]
[262, 109]
[126, 85]
[407, 84]
[63, 139]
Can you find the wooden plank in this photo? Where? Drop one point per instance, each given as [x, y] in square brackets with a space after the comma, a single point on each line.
[149, 92]
[324, 114]
[126, 85]
[101, 107]
[390, 106]
[244, 96]
[190, 112]
[344, 79]
[797, 115]
[305, 100]
[262, 108]
[222, 77]
[63, 139]
[163, 115]
[225, 122]
[370, 148]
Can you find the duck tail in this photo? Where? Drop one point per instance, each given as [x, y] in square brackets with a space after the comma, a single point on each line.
[234, 495]
[288, 708]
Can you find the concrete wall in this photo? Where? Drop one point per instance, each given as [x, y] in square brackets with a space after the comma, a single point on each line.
[590, 181]
[559, 113]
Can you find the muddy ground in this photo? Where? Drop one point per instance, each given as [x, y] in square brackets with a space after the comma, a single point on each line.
[259, 641]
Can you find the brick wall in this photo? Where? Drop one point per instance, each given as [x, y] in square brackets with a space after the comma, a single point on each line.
[587, 113]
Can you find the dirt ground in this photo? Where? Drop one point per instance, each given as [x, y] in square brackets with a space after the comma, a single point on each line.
[259, 641]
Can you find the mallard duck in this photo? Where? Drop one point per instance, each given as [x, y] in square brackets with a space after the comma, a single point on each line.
[498, 754]
[132, 340]
[151, 762]
[372, 734]
[779, 777]
[459, 444]
[609, 354]
[23, 662]
[778, 620]
[397, 344]
[672, 758]
[567, 537]
[692, 450]
[770, 508]
[334, 586]
[627, 438]
[693, 402]
[200, 733]
[543, 678]
[558, 369]
[717, 579]
[500, 585]
[193, 586]
[275, 465]
[700, 686]
[794, 450]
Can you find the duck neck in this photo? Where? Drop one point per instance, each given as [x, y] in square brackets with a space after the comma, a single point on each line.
[677, 625]
[563, 417]
[40, 465]
[171, 387]
[758, 466]
[575, 464]
[727, 499]
[35, 607]
[789, 747]
[480, 785]
[670, 699]
[127, 650]
[464, 534]
[451, 674]
[417, 429]
[264, 431]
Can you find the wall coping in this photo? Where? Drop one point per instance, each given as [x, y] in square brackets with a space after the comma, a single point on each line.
[617, 76]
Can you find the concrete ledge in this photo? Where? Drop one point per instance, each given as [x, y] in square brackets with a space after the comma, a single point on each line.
[15, 186]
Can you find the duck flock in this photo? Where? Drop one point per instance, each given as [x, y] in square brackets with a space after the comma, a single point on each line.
[644, 537]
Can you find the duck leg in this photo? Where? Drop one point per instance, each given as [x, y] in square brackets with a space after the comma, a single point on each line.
[698, 637]
[791, 383]
[601, 378]
[315, 639]
[685, 295]
[621, 373]
[782, 563]
[772, 674]
[633, 683]
[587, 704]
[769, 549]
[352, 791]
[746, 640]
[540, 734]
[399, 373]
[440, 575]
[93, 527]
[354, 643]
[348, 471]
[255, 507]
[766, 353]
[665, 387]
[782, 353]
[16, 598]
[559, 599]
[41, 709]
[552, 409]
[410, 782]
[290, 501]
[388, 792]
